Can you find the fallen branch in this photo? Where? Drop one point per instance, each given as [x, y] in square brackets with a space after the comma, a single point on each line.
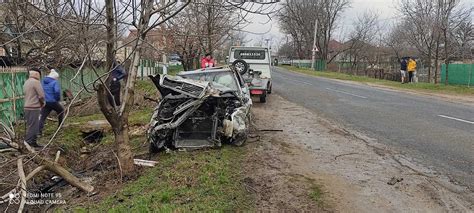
[61, 171]
[7, 150]
[120, 167]
[142, 162]
[21, 174]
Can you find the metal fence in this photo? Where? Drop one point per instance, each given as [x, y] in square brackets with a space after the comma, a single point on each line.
[320, 65]
[382, 70]
[12, 95]
[458, 74]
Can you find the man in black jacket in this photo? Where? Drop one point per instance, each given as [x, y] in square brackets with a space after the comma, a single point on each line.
[403, 68]
[117, 74]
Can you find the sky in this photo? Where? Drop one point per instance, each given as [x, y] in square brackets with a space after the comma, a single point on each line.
[384, 8]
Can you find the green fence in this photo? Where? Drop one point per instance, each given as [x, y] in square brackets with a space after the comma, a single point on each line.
[11, 92]
[458, 74]
[319, 65]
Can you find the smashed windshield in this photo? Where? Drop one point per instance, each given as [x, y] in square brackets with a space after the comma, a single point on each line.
[225, 79]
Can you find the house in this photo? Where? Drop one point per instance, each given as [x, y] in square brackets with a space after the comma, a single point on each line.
[155, 47]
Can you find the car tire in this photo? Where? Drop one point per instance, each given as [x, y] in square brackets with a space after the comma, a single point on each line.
[241, 64]
[269, 90]
[263, 97]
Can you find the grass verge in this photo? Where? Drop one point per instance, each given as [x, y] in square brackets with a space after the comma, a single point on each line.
[424, 87]
[202, 181]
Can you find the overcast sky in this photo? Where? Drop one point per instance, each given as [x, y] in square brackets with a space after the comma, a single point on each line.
[385, 8]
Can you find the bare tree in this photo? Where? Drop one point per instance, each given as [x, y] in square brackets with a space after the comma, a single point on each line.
[431, 24]
[298, 17]
[362, 38]
[204, 27]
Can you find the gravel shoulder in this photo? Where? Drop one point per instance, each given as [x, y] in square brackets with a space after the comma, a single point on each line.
[354, 172]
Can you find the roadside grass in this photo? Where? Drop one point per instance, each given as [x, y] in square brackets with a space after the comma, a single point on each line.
[202, 181]
[425, 87]
[317, 195]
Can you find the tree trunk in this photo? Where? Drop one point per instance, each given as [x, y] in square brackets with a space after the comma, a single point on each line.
[429, 65]
[446, 56]
[436, 63]
[124, 151]
[446, 81]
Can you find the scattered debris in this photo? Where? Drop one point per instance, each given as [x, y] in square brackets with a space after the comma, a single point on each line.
[352, 153]
[96, 125]
[94, 136]
[271, 130]
[142, 162]
[394, 180]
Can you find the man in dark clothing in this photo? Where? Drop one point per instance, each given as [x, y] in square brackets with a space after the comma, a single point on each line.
[403, 69]
[117, 74]
[52, 91]
[34, 101]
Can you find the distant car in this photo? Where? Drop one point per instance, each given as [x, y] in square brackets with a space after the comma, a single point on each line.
[202, 108]
[257, 61]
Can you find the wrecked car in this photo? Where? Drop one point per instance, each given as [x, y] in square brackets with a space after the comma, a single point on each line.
[202, 108]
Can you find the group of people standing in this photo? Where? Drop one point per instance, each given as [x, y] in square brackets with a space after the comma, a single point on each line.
[407, 64]
[40, 99]
[44, 96]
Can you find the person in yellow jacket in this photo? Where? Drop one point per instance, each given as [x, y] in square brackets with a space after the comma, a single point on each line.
[411, 68]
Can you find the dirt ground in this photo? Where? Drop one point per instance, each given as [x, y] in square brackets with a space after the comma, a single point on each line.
[354, 172]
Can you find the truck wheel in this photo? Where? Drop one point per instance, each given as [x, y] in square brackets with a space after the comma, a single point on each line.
[269, 91]
[263, 97]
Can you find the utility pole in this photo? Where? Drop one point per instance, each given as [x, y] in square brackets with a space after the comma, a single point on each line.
[315, 49]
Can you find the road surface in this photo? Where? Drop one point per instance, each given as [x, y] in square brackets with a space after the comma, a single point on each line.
[436, 133]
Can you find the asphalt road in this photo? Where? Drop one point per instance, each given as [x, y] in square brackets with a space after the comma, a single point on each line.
[436, 133]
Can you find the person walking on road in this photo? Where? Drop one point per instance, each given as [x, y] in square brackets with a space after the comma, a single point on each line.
[34, 101]
[411, 67]
[207, 61]
[52, 91]
[403, 69]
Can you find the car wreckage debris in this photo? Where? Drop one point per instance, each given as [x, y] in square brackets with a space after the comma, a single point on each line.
[195, 113]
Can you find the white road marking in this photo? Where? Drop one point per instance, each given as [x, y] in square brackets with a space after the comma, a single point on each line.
[347, 93]
[456, 119]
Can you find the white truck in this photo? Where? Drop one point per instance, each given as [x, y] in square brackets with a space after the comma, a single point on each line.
[258, 62]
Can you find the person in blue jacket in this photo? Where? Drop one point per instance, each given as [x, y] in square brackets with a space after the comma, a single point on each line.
[52, 91]
[117, 74]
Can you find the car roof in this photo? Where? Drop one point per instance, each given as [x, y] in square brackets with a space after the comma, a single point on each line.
[248, 48]
[206, 70]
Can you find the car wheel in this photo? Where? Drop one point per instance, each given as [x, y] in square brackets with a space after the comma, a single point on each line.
[240, 66]
[263, 98]
[269, 91]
